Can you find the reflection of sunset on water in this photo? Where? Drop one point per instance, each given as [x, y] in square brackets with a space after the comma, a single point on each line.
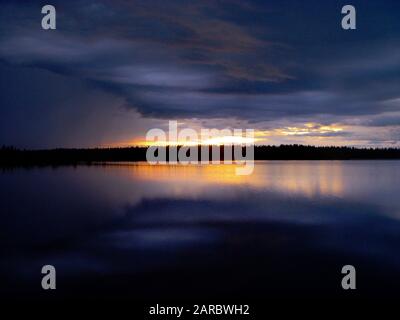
[196, 174]
[309, 179]
[303, 178]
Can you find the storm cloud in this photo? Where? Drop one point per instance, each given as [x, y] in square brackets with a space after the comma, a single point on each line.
[112, 69]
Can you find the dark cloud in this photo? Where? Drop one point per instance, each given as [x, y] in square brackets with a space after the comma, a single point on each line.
[255, 61]
[383, 120]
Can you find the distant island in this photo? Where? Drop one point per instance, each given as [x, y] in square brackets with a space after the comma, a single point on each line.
[12, 157]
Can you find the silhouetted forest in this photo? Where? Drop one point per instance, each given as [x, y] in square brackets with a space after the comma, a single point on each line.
[10, 156]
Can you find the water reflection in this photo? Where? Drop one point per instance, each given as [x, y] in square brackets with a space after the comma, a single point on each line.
[142, 228]
[306, 178]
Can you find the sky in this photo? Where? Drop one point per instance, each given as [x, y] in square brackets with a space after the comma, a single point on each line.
[112, 70]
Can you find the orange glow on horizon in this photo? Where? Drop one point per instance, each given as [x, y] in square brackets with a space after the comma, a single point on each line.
[309, 129]
[223, 140]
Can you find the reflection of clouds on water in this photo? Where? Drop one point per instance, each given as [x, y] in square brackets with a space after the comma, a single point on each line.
[339, 217]
[371, 182]
[129, 219]
[160, 237]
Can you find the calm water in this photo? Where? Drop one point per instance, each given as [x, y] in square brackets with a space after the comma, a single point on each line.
[175, 232]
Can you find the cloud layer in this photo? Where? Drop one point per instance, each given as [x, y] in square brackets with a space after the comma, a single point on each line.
[113, 69]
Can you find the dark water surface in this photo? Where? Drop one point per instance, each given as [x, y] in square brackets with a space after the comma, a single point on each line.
[201, 232]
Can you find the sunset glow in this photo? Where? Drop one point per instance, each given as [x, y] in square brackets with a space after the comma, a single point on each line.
[313, 130]
[222, 140]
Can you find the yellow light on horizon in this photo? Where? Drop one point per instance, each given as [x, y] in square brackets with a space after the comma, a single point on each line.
[223, 140]
[308, 129]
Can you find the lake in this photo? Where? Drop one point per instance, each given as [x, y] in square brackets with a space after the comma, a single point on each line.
[132, 230]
